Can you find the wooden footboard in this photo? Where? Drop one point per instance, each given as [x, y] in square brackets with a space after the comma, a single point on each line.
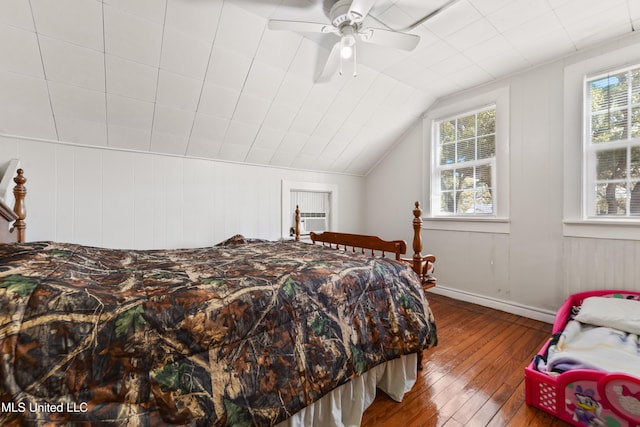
[17, 231]
[374, 245]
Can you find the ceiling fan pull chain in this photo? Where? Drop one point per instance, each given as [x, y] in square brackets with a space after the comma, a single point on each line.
[355, 60]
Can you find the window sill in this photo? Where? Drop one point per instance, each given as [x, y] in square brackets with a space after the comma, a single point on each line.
[472, 224]
[615, 229]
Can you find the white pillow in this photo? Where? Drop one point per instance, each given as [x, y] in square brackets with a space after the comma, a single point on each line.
[616, 313]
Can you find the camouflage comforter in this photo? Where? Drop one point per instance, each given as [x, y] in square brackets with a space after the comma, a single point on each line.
[245, 333]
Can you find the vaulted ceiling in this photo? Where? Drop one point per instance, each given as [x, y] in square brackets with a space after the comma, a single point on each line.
[208, 78]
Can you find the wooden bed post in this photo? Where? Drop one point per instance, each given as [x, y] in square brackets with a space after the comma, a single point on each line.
[417, 240]
[19, 193]
[297, 223]
[421, 263]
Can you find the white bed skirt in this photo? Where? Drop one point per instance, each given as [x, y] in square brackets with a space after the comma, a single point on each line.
[344, 406]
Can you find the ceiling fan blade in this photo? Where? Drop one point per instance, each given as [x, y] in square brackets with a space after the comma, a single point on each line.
[300, 26]
[360, 8]
[388, 38]
[331, 65]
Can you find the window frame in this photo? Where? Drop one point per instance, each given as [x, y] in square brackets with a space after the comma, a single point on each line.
[591, 150]
[575, 222]
[439, 168]
[286, 213]
[498, 221]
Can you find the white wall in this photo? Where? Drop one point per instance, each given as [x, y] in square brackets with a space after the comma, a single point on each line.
[112, 198]
[534, 266]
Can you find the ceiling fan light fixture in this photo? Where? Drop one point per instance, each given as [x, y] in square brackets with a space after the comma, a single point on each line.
[347, 44]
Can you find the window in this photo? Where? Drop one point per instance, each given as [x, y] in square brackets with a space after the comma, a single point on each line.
[318, 205]
[314, 211]
[612, 144]
[465, 163]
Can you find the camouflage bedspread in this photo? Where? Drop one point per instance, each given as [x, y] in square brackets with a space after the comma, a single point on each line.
[245, 333]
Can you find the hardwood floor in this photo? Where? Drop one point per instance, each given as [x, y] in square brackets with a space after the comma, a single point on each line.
[474, 377]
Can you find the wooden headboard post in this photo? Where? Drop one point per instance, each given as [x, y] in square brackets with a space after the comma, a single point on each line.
[20, 192]
[297, 223]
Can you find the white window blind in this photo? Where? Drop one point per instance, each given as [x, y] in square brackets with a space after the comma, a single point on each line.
[314, 210]
[612, 144]
[464, 172]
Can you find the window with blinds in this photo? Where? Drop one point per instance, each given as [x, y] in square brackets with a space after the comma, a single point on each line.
[465, 163]
[612, 144]
[314, 210]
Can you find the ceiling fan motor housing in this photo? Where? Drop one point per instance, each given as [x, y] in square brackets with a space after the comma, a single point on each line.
[338, 13]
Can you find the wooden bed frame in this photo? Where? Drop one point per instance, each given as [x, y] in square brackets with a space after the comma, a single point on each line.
[17, 215]
[421, 264]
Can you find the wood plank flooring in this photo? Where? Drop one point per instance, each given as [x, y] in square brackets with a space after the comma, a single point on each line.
[474, 377]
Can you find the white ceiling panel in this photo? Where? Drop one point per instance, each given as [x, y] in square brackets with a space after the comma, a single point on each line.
[132, 37]
[24, 107]
[472, 35]
[129, 113]
[306, 121]
[233, 152]
[152, 10]
[129, 138]
[239, 133]
[283, 158]
[73, 101]
[178, 91]
[218, 100]
[329, 125]
[172, 120]
[293, 141]
[131, 79]
[486, 7]
[72, 64]
[515, 13]
[268, 138]
[258, 155]
[264, 80]
[314, 146]
[199, 19]
[210, 128]
[251, 109]
[20, 52]
[74, 21]
[210, 79]
[80, 131]
[185, 55]
[240, 30]
[278, 48]
[169, 143]
[203, 147]
[455, 18]
[294, 91]
[228, 68]
[16, 13]
[280, 116]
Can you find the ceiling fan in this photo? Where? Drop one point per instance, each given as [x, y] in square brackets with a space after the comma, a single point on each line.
[347, 17]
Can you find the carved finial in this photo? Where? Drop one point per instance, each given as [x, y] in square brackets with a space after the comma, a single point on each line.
[19, 193]
[417, 212]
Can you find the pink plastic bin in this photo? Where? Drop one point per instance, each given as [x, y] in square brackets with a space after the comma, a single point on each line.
[585, 397]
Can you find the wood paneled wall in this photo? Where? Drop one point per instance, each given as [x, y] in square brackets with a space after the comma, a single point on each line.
[106, 197]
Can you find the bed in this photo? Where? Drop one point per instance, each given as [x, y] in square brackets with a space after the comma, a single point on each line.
[588, 373]
[246, 332]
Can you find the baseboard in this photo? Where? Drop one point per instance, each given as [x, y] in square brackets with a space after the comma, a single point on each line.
[498, 304]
